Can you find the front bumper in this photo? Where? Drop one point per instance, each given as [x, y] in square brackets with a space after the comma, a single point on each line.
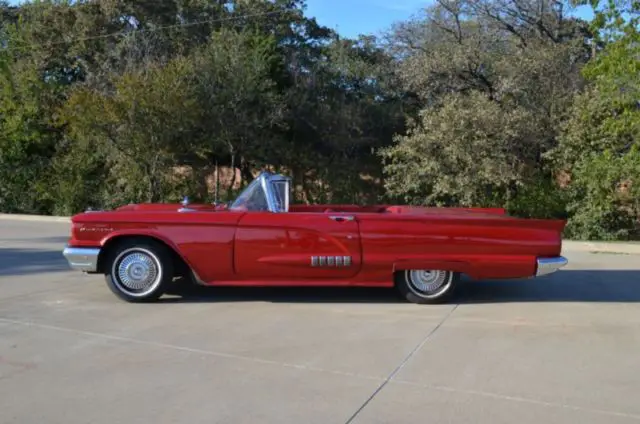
[550, 265]
[82, 258]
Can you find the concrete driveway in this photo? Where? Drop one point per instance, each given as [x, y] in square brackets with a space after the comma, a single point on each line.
[559, 349]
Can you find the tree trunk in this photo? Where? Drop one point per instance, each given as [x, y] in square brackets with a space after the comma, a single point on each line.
[201, 174]
[245, 171]
[233, 177]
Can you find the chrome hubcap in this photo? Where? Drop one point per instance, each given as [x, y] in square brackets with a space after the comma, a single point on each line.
[428, 281]
[137, 271]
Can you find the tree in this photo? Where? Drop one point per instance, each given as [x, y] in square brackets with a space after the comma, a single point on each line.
[27, 138]
[469, 152]
[600, 144]
[238, 107]
[493, 81]
[139, 129]
[340, 110]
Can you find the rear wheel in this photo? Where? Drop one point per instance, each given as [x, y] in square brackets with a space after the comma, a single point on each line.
[139, 271]
[426, 286]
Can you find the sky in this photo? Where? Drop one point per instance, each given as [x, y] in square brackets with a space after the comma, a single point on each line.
[353, 17]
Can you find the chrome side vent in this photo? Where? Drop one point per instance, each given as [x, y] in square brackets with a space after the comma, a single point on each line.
[330, 261]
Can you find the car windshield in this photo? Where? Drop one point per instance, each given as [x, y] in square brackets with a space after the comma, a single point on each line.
[268, 192]
[253, 198]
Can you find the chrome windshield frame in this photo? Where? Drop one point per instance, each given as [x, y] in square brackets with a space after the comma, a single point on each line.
[268, 182]
[271, 190]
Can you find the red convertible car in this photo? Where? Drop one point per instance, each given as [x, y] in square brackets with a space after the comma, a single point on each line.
[262, 240]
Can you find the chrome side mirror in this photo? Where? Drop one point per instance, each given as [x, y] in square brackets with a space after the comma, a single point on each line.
[185, 202]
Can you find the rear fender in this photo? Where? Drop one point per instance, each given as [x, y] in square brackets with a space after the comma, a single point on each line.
[477, 267]
[455, 266]
[493, 211]
[556, 225]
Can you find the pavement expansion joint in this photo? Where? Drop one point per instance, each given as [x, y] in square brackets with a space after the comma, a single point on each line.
[520, 399]
[188, 349]
[401, 365]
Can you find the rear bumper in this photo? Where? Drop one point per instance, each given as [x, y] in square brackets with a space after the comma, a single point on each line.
[82, 258]
[550, 265]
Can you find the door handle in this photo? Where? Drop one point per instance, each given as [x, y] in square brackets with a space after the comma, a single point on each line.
[340, 218]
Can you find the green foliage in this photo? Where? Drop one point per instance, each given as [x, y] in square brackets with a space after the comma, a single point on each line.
[540, 198]
[468, 152]
[600, 143]
[613, 19]
[135, 129]
[79, 176]
[237, 105]
[27, 139]
[493, 88]
[606, 197]
[179, 88]
[476, 103]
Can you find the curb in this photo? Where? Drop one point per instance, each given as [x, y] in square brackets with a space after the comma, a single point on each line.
[572, 245]
[40, 218]
[629, 248]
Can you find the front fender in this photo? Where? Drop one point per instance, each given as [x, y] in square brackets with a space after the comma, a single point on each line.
[150, 233]
[138, 233]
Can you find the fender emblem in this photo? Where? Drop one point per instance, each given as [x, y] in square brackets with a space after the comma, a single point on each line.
[330, 261]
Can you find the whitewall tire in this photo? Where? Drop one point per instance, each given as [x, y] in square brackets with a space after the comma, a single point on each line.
[139, 271]
[426, 286]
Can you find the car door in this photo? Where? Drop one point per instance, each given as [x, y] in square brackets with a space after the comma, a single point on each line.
[297, 246]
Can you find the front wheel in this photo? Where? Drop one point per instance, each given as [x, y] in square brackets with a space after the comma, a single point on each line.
[139, 272]
[426, 286]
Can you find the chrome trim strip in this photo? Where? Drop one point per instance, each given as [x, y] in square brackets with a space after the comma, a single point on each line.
[550, 265]
[83, 259]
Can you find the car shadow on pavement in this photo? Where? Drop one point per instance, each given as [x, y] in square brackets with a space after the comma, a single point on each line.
[196, 294]
[564, 286]
[16, 261]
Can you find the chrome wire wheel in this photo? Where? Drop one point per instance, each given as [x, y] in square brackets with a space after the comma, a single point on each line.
[137, 272]
[428, 283]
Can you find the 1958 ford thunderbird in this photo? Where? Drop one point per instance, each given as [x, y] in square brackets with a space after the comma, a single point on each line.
[260, 239]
